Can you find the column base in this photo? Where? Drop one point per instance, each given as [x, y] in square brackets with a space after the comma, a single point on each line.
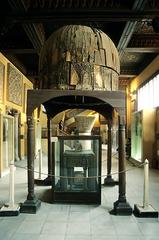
[39, 182]
[121, 208]
[17, 159]
[109, 181]
[48, 181]
[30, 206]
[8, 211]
[43, 182]
[149, 212]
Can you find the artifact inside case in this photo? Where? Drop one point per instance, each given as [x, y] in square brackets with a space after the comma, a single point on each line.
[77, 166]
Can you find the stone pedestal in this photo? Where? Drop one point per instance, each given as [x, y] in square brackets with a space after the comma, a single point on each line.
[122, 208]
[148, 212]
[30, 206]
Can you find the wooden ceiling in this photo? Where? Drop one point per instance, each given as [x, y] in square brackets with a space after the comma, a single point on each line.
[132, 25]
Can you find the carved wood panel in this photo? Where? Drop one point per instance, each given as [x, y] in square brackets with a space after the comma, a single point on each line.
[15, 84]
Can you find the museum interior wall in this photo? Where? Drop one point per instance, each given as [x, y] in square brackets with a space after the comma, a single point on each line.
[143, 125]
[13, 94]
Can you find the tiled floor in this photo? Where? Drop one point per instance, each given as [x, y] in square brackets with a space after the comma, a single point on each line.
[81, 222]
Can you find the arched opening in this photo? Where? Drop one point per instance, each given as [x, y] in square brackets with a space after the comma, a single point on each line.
[55, 101]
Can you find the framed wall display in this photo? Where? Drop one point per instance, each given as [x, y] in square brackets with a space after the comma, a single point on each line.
[15, 84]
[1, 81]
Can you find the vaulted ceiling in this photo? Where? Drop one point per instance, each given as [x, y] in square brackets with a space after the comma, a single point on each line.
[132, 25]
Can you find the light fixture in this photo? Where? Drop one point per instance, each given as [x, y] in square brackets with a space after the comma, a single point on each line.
[133, 95]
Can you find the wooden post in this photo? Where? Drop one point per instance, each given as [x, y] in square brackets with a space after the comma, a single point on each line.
[31, 154]
[31, 204]
[109, 181]
[121, 206]
[47, 181]
[122, 168]
[109, 151]
[49, 146]
[40, 162]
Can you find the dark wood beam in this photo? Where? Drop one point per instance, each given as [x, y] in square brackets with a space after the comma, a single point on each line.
[128, 75]
[130, 26]
[74, 4]
[142, 49]
[128, 71]
[76, 15]
[35, 32]
[19, 51]
[14, 60]
[144, 41]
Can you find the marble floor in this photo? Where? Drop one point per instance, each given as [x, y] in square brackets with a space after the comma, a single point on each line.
[81, 222]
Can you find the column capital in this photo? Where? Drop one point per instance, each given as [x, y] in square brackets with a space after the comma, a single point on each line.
[30, 120]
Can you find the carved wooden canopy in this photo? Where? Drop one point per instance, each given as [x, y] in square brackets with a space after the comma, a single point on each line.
[79, 57]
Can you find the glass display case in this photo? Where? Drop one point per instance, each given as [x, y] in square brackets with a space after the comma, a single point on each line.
[143, 132]
[77, 167]
[136, 136]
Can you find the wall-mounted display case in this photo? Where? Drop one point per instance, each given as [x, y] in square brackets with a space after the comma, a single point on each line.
[157, 136]
[77, 167]
[136, 136]
[143, 136]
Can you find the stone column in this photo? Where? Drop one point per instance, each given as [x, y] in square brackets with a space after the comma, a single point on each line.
[53, 170]
[121, 206]
[20, 137]
[5, 143]
[109, 181]
[32, 203]
[16, 136]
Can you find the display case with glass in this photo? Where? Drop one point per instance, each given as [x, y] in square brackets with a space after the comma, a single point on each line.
[136, 136]
[77, 169]
[143, 136]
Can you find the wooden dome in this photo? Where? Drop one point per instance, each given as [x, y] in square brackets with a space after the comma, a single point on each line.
[79, 57]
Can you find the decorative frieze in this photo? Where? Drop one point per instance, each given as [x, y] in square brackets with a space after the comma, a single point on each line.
[146, 40]
[51, 4]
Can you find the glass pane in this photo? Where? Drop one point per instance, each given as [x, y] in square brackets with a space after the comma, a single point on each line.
[77, 165]
[148, 94]
[136, 136]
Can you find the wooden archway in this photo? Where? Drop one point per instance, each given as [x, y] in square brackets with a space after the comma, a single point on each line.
[55, 101]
